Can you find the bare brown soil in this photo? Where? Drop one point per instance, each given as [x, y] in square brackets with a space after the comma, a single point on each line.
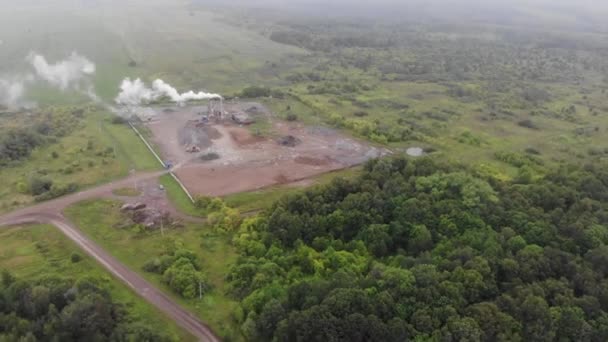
[311, 161]
[248, 162]
[243, 137]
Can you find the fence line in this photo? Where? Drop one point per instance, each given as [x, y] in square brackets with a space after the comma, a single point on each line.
[161, 162]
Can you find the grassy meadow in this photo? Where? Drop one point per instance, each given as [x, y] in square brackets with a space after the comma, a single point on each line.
[99, 220]
[93, 152]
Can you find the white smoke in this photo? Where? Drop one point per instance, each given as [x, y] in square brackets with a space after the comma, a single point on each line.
[135, 92]
[64, 74]
[72, 73]
[12, 91]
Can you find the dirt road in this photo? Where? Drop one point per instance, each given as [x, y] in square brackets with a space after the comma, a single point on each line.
[51, 213]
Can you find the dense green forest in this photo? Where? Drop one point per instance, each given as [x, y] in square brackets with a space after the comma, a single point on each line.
[425, 250]
[60, 309]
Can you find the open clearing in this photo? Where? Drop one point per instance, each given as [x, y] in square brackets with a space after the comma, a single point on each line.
[102, 220]
[243, 159]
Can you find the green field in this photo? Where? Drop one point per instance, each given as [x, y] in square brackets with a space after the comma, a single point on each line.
[99, 220]
[96, 151]
[38, 251]
[190, 48]
[178, 197]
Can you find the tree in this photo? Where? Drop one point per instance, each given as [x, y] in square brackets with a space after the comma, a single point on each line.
[184, 279]
[420, 239]
[538, 321]
[377, 239]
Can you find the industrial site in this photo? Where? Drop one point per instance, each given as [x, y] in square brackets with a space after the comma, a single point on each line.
[216, 150]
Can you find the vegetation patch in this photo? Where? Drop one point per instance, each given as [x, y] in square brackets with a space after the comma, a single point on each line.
[70, 293]
[208, 253]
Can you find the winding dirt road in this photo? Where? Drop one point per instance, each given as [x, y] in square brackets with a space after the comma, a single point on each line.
[51, 213]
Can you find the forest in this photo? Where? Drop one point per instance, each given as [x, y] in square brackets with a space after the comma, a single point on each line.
[424, 250]
[60, 309]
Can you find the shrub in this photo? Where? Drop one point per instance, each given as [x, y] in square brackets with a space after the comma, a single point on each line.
[336, 120]
[39, 185]
[159, 265]
[57, 191]
[118, 120]
[292, 117]
[531, 150]
[75, 257]
[528, 124]
[202, 202]
[256, 91]
[22, 188]
[183, 278]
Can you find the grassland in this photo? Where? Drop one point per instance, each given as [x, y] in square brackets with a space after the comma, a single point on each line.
[462, 130]
[38, 251]
[189, 47]
[94, 152]
[99, 219]
[178, 197]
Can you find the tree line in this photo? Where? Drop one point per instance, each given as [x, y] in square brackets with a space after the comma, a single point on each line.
[61, 309]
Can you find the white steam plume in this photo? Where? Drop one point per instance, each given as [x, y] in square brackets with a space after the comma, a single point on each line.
[11, 93]
[64, 74]
[135, 93]
[72, 73]
[13, 90]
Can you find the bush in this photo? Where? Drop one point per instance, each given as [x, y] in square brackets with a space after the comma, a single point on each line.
[528, 124]
[22, 188]
[75, 257]
[183, 278]
[39, 185]
[532, 150]
[119, 120]
[256, 91]
[292, 117]
[159, 265]
[225, 220]
[202, 202]
[57, 191]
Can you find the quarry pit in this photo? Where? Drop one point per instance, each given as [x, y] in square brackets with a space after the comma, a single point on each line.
[218, 153]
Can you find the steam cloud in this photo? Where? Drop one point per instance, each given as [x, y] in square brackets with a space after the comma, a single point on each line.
[69, 74]
[135, 92]
[64, 74]
[11, 92]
